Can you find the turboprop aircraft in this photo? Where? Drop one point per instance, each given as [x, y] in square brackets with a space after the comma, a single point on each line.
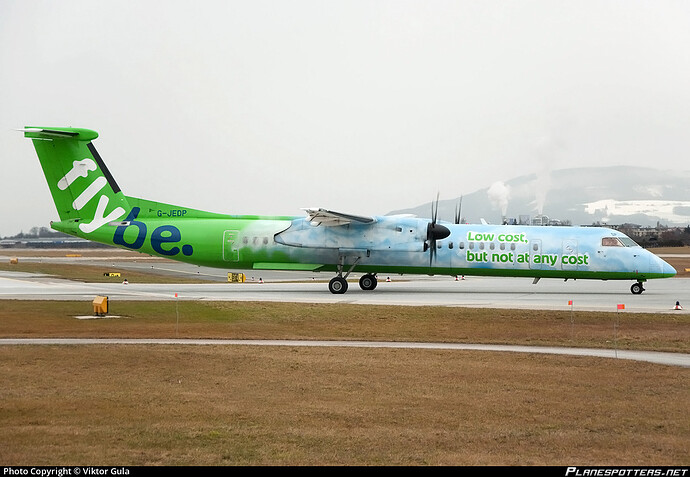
[91, 205]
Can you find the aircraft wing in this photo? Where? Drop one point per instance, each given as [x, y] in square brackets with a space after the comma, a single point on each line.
[330, 218]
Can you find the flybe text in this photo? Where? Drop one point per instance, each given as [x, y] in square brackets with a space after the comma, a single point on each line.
[81, 169]
[164, 239]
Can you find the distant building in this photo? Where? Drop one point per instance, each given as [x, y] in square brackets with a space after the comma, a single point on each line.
[540, 220]
[44, 242]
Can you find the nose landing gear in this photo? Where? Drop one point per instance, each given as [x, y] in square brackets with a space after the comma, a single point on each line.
[637, 288]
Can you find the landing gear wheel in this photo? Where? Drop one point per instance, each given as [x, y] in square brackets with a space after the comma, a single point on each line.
[368, 282]
[337, 285]
[636, 288]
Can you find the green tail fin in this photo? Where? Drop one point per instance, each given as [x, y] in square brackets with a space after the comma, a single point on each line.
[85, 194]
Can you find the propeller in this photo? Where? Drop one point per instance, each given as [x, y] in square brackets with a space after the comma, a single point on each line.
[458, 211]
[434, 232]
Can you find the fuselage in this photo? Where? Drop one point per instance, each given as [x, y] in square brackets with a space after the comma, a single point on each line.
[391, 244]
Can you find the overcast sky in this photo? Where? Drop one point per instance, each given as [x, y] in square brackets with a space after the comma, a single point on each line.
[267, 107]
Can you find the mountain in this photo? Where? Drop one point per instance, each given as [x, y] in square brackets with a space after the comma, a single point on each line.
[582, 196]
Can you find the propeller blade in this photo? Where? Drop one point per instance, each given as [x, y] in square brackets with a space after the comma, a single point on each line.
[458, 211]
[434, 232]
[434, 209]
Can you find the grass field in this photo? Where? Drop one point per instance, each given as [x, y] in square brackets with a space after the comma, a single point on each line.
[259, 405]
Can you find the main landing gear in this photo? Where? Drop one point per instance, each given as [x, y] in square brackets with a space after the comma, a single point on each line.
[338, 284]
[368, 282]
[637, 288]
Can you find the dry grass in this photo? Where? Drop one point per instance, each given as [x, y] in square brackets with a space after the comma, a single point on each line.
[255, 320]
[93, 273]
[250, 405]
[212, 405]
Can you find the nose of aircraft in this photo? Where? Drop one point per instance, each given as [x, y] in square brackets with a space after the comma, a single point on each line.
[666, 269]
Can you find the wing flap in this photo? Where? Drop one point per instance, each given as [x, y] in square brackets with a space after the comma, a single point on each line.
[330, 218]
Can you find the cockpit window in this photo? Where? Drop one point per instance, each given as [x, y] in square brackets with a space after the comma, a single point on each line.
[611, 242]
[628, 242]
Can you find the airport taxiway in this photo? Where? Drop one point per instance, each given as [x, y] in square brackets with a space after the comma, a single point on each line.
[670, 359]
[482, 292]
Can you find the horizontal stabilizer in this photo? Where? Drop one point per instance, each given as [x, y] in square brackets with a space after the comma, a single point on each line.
[330, 218]
[54, 133]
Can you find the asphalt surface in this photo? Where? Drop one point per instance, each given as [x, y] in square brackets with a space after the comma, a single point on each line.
[671, 359]
[517, 293]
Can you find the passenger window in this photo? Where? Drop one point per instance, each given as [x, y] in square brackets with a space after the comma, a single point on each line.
[461, 245]
[503, 246]
[512, 246]
[481, 245]
[492, 246]
[471, 245]
[450, 245]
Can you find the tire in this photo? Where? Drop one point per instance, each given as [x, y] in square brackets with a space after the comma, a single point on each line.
[368, 282]
[636, 288]
[337, 285]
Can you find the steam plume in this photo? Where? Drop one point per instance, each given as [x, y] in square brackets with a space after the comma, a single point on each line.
[499, 193]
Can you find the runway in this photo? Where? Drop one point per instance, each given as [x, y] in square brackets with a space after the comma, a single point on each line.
[482, 292]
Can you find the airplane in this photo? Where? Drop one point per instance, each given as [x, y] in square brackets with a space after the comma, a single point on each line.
[91, 205]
